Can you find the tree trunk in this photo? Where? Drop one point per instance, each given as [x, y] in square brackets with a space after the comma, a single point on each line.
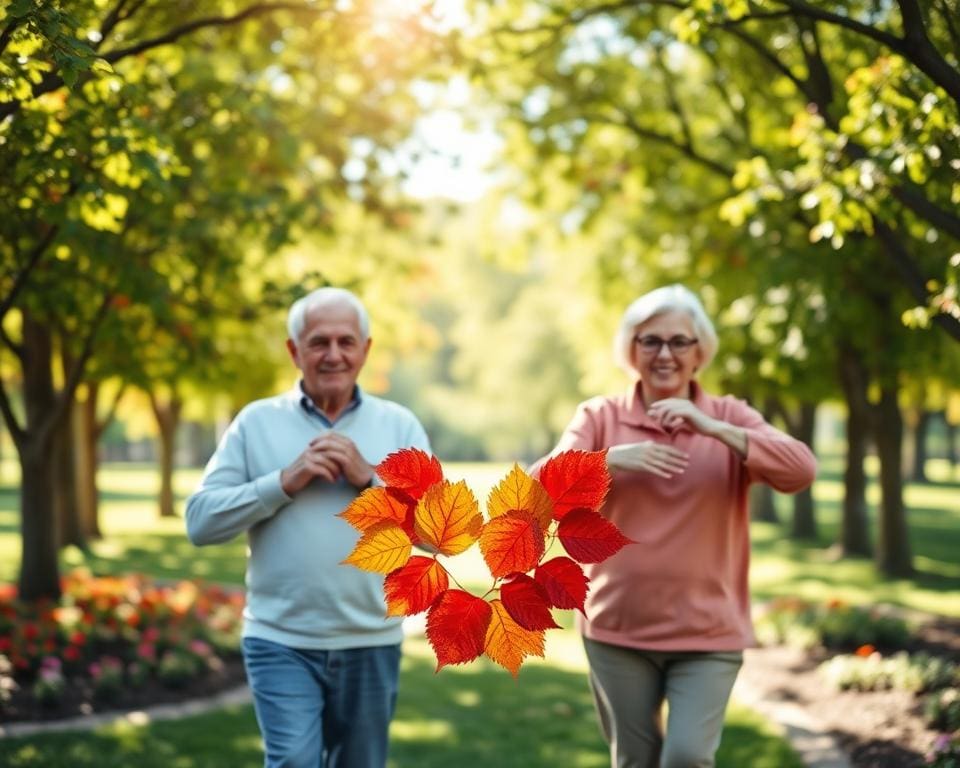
[88, 461]
[39, 569]
[762, 507]
[920, 452]
[854, 527]
[804, 513]
[69, 529]
[168, 420]
[952, 459]
[893, 541]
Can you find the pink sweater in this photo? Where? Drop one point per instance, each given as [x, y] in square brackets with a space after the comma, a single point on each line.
[683, 585]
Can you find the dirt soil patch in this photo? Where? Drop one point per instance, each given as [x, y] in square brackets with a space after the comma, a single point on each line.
[878, 729]
[78, 699]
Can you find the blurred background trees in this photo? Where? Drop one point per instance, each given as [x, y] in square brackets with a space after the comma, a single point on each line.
[175, 174]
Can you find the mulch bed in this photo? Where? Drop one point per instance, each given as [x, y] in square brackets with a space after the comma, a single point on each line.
[78, 699]
[877, 729]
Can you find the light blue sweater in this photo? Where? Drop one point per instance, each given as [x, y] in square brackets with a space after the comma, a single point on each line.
[298, 594]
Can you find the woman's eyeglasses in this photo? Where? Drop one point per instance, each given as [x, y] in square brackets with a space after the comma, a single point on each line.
[651, 345]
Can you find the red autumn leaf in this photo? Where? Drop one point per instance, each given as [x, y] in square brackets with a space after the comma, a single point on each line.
[448, 518]
[376, 505]
[512, 543]
[507, 643]
[518, 492]
[527, 603]
[381, 549]
[457, 627]
[576, 480]
[414, 587]
[410, 470]
[564, 581]
[589, 537]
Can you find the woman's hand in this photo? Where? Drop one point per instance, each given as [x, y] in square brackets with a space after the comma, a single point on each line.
[675, 411]
[648, 456]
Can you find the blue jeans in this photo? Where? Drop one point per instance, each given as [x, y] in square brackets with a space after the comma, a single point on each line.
[323, 709]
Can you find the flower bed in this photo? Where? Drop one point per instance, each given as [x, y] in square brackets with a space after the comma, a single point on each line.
[114, 642]
[894, 700]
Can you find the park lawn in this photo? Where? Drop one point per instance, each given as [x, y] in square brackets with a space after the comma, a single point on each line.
[478, 713]
[472, 715]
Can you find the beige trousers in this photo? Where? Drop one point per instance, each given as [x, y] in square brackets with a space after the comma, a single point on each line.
[630, 687]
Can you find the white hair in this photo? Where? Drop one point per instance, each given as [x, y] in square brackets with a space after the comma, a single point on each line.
[669, 298]
[324, 297]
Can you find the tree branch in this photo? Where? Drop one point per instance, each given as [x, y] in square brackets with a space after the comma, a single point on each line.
[8, 31]
[76, 373]
[672, 97]
[947, 14]
[914, 280]
[915, 46]
[13, 426]
[101, 425]
[10, 344]
[172, 35]
[32, 260]
[665, 139]
[52, 81]
[811, 11]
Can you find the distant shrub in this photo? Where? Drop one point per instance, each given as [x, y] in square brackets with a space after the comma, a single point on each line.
[835, 625]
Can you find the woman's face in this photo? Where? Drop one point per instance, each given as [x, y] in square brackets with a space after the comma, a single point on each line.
[666, 369]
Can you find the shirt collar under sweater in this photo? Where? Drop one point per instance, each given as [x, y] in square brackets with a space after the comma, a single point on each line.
[311, 408]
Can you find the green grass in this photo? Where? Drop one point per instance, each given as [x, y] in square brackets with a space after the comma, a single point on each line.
[476, 714]
[810, 569]
[473, 715]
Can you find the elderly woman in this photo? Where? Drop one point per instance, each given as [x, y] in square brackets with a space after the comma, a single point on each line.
[668, 617]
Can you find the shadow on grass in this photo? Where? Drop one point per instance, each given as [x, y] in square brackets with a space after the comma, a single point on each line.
[225, 739]
[165, 555]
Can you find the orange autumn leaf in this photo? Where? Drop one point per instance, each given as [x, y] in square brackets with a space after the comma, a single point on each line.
[411, 471]
[376, 505]
[457, 627]
[576, 480]
[381, 549]
[413, 588]
[590, 538]
[507, 643]
[512, 543]
[527, 603]
[518, 492]
[564, 581]
[448, 517]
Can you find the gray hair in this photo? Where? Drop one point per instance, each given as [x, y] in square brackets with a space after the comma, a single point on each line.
[324, 297]
[669, 298]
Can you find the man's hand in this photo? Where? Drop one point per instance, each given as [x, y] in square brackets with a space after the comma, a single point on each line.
[328, 457]
[648, 456]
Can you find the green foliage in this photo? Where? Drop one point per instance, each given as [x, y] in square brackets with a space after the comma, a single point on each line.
[832, 625]
[917, 673]
[942, 709]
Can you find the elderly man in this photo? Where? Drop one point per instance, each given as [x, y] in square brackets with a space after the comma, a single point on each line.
[321, 658]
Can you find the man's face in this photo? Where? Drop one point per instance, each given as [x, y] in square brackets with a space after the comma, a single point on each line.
[330, 353]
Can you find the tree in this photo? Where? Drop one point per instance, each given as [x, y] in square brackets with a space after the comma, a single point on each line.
[94, 160]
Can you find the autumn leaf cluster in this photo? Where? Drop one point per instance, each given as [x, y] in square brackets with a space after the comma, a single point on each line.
[525, 515]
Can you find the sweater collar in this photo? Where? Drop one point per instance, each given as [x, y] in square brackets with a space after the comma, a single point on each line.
[634, 413]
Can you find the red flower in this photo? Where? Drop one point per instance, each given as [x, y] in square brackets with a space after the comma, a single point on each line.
[78, 638]
[865, 650]
[30, 631]
[71, 653]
